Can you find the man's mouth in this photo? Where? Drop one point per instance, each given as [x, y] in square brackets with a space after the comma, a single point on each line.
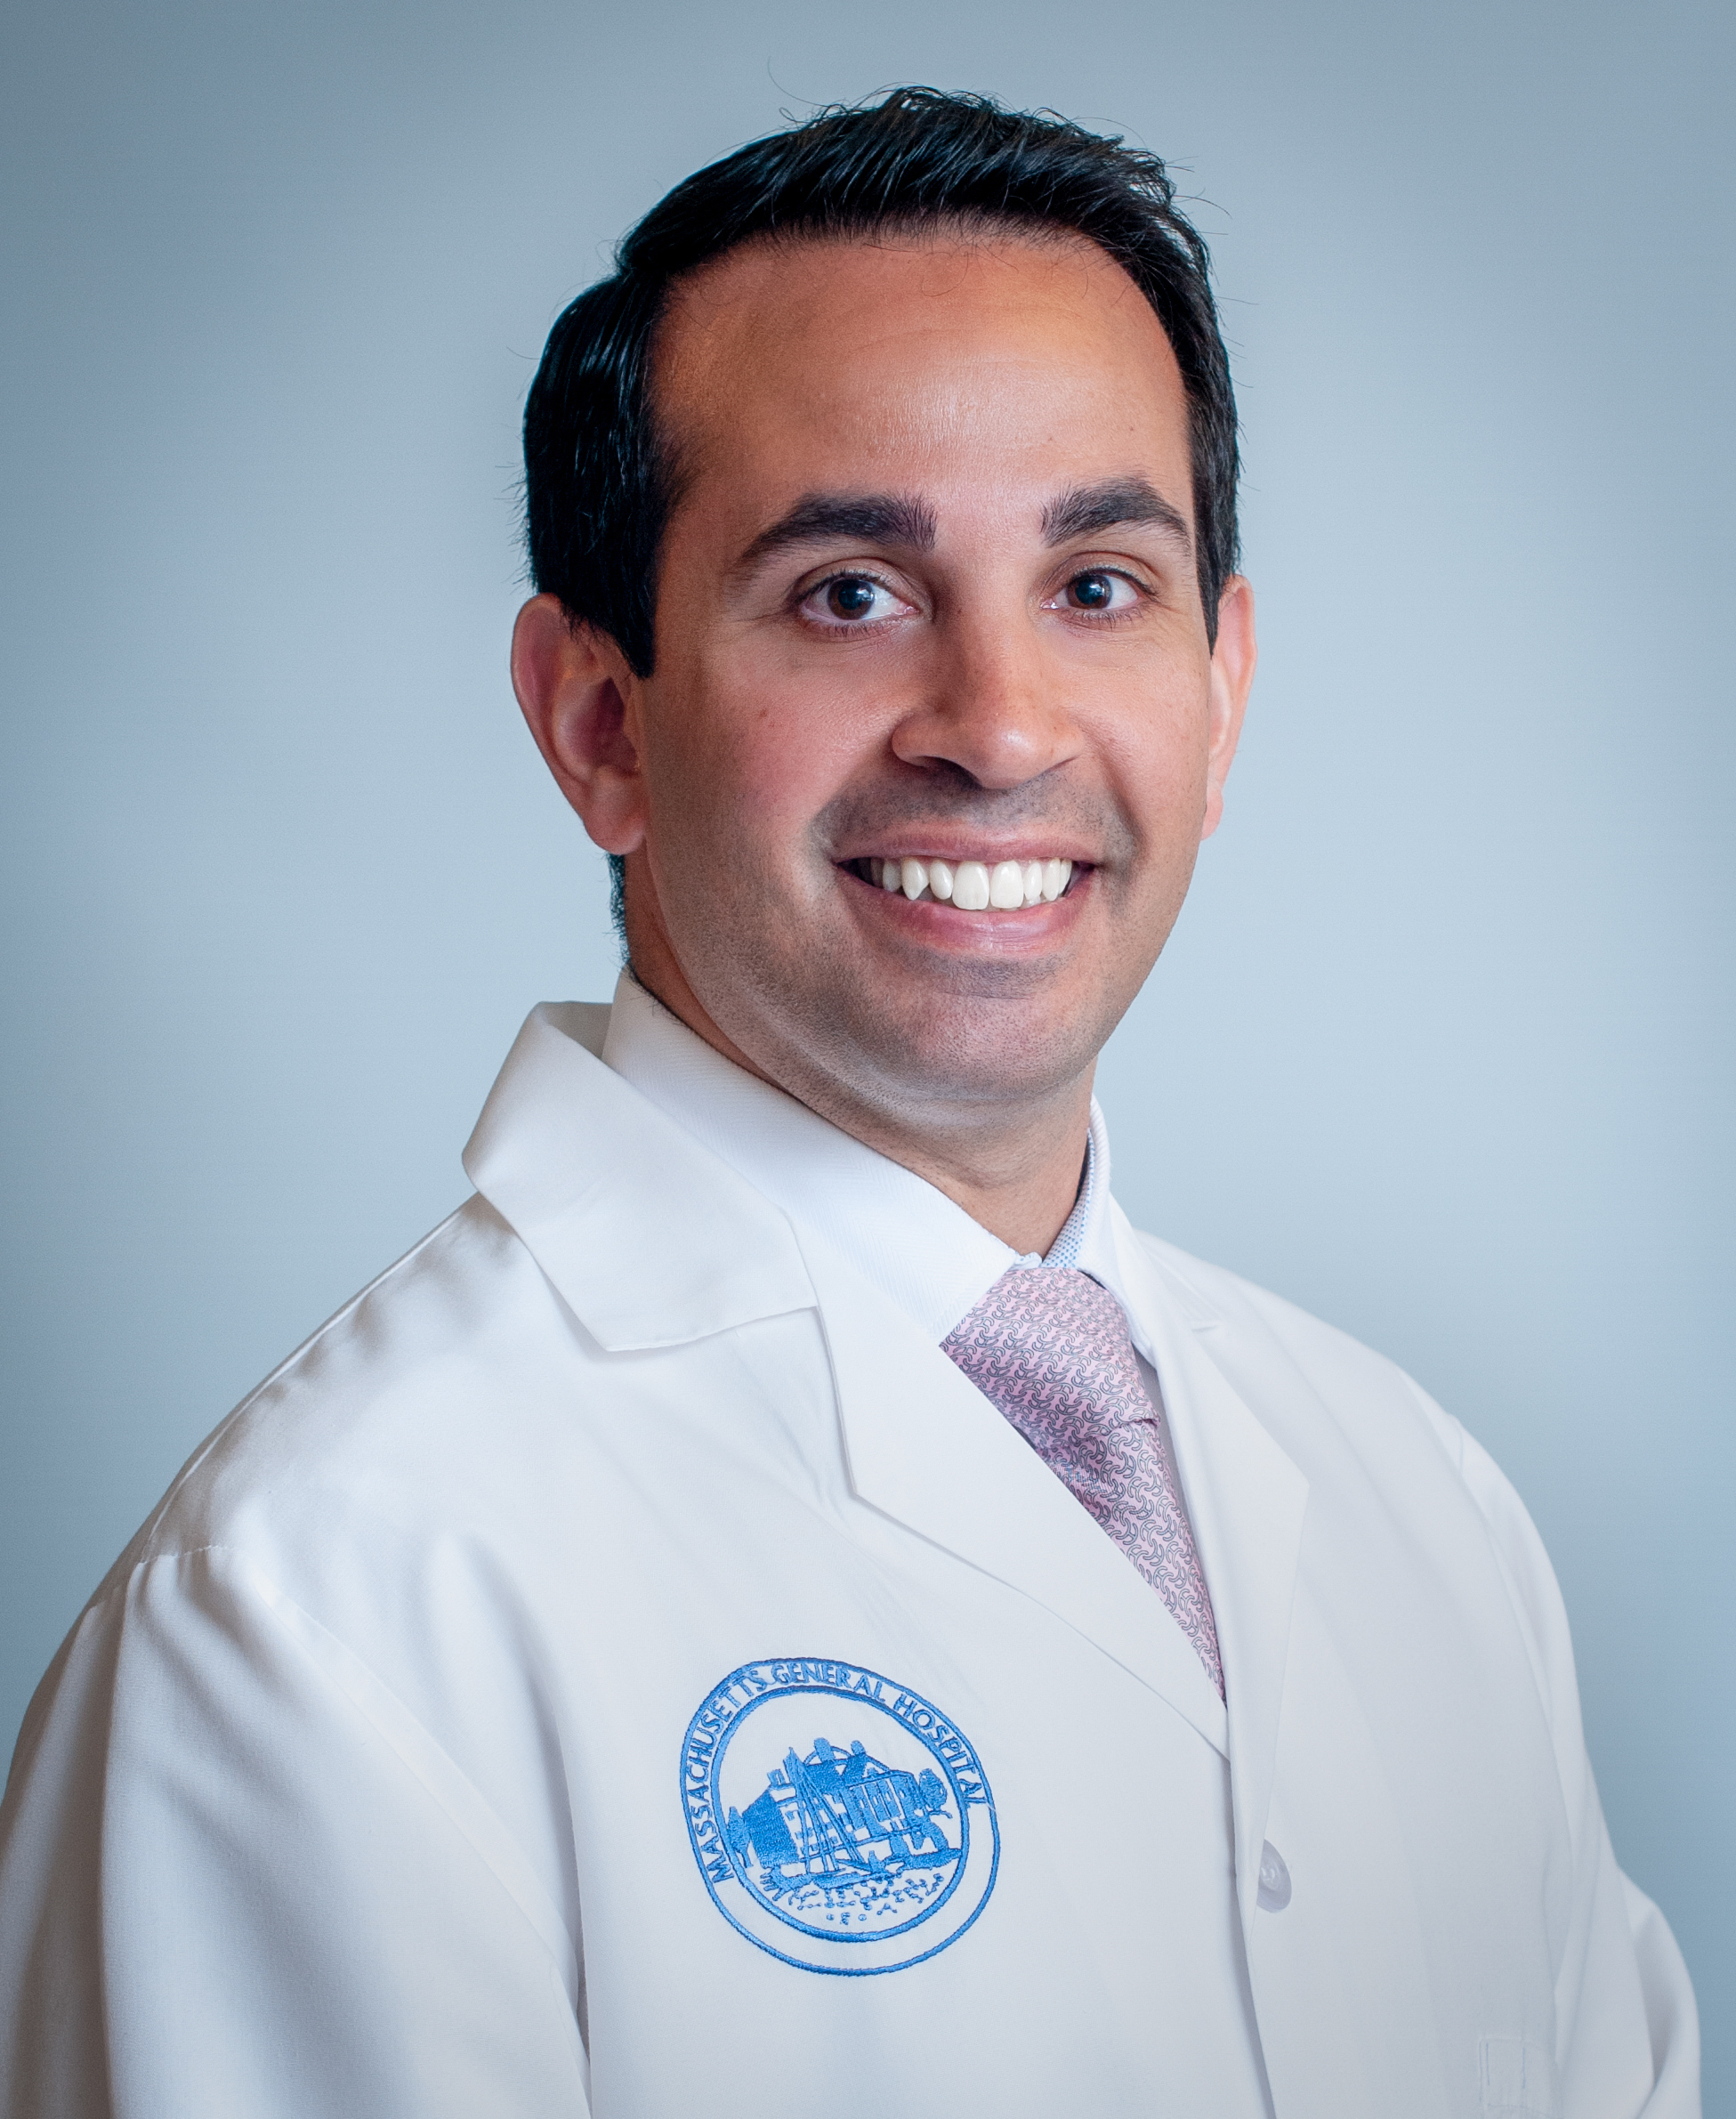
[972, 885]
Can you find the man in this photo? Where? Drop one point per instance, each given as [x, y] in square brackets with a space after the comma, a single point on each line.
[786, 1603]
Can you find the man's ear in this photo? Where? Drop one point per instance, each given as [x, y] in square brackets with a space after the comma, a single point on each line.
[1234, 657]
[573, 683]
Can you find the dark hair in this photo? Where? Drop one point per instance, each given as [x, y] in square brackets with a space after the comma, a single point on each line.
[597, 485]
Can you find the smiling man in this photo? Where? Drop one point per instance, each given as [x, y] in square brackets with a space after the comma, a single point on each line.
[911, 792]
[785, 1602]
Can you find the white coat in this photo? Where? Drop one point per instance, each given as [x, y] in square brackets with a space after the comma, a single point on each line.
[418, 1758]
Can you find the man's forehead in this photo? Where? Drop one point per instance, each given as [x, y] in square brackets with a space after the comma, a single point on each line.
[959, 349]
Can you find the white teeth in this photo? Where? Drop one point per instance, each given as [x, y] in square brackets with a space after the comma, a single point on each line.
[1006, 887]
[973, 885]
[970, 887]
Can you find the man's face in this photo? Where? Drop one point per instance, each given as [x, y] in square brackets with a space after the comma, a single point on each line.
[928, 594]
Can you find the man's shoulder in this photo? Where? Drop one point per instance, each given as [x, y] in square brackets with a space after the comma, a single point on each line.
[1318, 1388]
[1279, 1349]
[1213, 1295]
[395, 1404]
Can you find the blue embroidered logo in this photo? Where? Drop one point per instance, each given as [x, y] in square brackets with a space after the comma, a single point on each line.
[840, 1821]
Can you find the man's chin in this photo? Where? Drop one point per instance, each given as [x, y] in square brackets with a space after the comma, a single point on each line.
[971, 1050]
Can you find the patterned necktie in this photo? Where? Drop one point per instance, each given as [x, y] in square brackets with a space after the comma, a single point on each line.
[1050, 1348]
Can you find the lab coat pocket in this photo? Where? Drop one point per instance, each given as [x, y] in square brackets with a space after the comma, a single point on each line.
[1518, 2076]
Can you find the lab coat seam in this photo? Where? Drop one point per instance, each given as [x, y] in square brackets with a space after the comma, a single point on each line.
[149, 1529]
[337, 1317]
[116, 1584]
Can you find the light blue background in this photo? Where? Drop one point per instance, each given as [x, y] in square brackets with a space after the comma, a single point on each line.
[1442, 1046]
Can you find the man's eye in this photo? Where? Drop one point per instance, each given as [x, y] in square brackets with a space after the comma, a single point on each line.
[1099, 590]
[852, 598]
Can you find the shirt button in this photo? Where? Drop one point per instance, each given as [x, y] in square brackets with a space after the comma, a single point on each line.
[1274, 1879]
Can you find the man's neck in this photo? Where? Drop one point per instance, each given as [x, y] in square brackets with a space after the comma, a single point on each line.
[1016, 1172]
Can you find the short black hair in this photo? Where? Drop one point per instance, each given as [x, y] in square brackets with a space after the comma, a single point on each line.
[597, 477]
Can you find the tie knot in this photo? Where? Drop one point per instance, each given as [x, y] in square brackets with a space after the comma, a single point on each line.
[1050, 1346]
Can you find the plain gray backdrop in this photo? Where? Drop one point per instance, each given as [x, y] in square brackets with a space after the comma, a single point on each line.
[1442, 1048]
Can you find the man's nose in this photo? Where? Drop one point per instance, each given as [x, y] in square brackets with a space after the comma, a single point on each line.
[993, 702]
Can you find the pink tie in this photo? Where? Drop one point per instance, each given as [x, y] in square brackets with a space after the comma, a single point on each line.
[1050, 1348]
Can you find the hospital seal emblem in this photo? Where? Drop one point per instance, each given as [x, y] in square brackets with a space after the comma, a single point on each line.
[840, 1821]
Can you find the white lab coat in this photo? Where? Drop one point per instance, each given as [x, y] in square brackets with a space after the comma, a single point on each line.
[366, 1782]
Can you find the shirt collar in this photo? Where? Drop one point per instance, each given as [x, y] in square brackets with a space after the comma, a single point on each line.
[919, 1247]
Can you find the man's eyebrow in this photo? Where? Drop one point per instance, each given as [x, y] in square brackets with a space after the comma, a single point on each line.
[873, 518]
[1087, 509]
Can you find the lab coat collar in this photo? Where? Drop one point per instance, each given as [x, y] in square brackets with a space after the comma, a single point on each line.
[650, 1240]
[1245, 1499]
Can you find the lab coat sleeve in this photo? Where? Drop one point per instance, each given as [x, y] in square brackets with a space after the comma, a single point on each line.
[237, 1879]
[1627, 2033]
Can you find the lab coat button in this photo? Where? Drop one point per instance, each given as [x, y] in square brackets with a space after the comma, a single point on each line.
[1274, 1879]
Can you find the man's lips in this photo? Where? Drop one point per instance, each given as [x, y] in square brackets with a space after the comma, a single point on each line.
[968, 886]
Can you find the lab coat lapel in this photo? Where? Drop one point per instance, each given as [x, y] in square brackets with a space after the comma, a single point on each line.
[924, 1446]
[650, 1239]
[1245, 1499]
